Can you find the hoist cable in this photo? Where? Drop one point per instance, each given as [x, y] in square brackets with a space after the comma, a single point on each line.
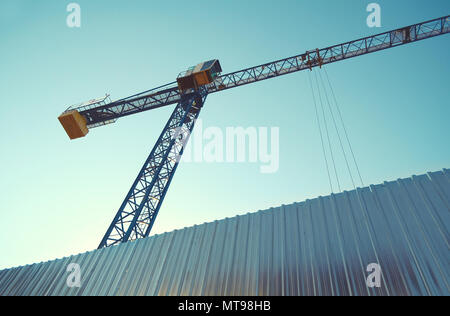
[343, 125]
[328, 134]
[320, 132]
[337, 130]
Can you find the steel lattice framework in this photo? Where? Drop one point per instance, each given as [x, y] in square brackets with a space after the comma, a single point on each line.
[169, 94]
[138, 211]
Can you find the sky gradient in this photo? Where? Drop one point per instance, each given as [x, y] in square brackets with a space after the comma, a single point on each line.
[58, 196]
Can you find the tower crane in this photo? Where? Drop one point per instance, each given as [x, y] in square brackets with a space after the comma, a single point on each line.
[136, 215]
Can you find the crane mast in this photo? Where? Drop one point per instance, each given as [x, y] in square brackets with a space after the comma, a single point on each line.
[137, 213]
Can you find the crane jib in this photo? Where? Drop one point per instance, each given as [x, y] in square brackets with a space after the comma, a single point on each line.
[107, 113]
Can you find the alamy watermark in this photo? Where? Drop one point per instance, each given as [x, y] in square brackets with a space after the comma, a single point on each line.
[374, 18]
[74, 278]
[231, 145]
[374, 278]
[74, 17]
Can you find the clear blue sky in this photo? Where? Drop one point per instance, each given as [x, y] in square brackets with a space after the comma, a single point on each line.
[57, 197]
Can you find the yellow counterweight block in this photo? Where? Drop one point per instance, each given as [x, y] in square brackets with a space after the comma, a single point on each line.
[74, 124]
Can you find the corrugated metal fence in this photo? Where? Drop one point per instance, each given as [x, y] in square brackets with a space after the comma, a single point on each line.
[318, 247]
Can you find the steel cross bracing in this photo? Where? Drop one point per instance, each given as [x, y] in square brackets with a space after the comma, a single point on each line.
[169, 93]
[138, 211]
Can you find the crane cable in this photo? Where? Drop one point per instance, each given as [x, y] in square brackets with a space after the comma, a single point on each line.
[337, 130]
[328, 134]
[323, 89]
[343, 125]
[320, 132]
